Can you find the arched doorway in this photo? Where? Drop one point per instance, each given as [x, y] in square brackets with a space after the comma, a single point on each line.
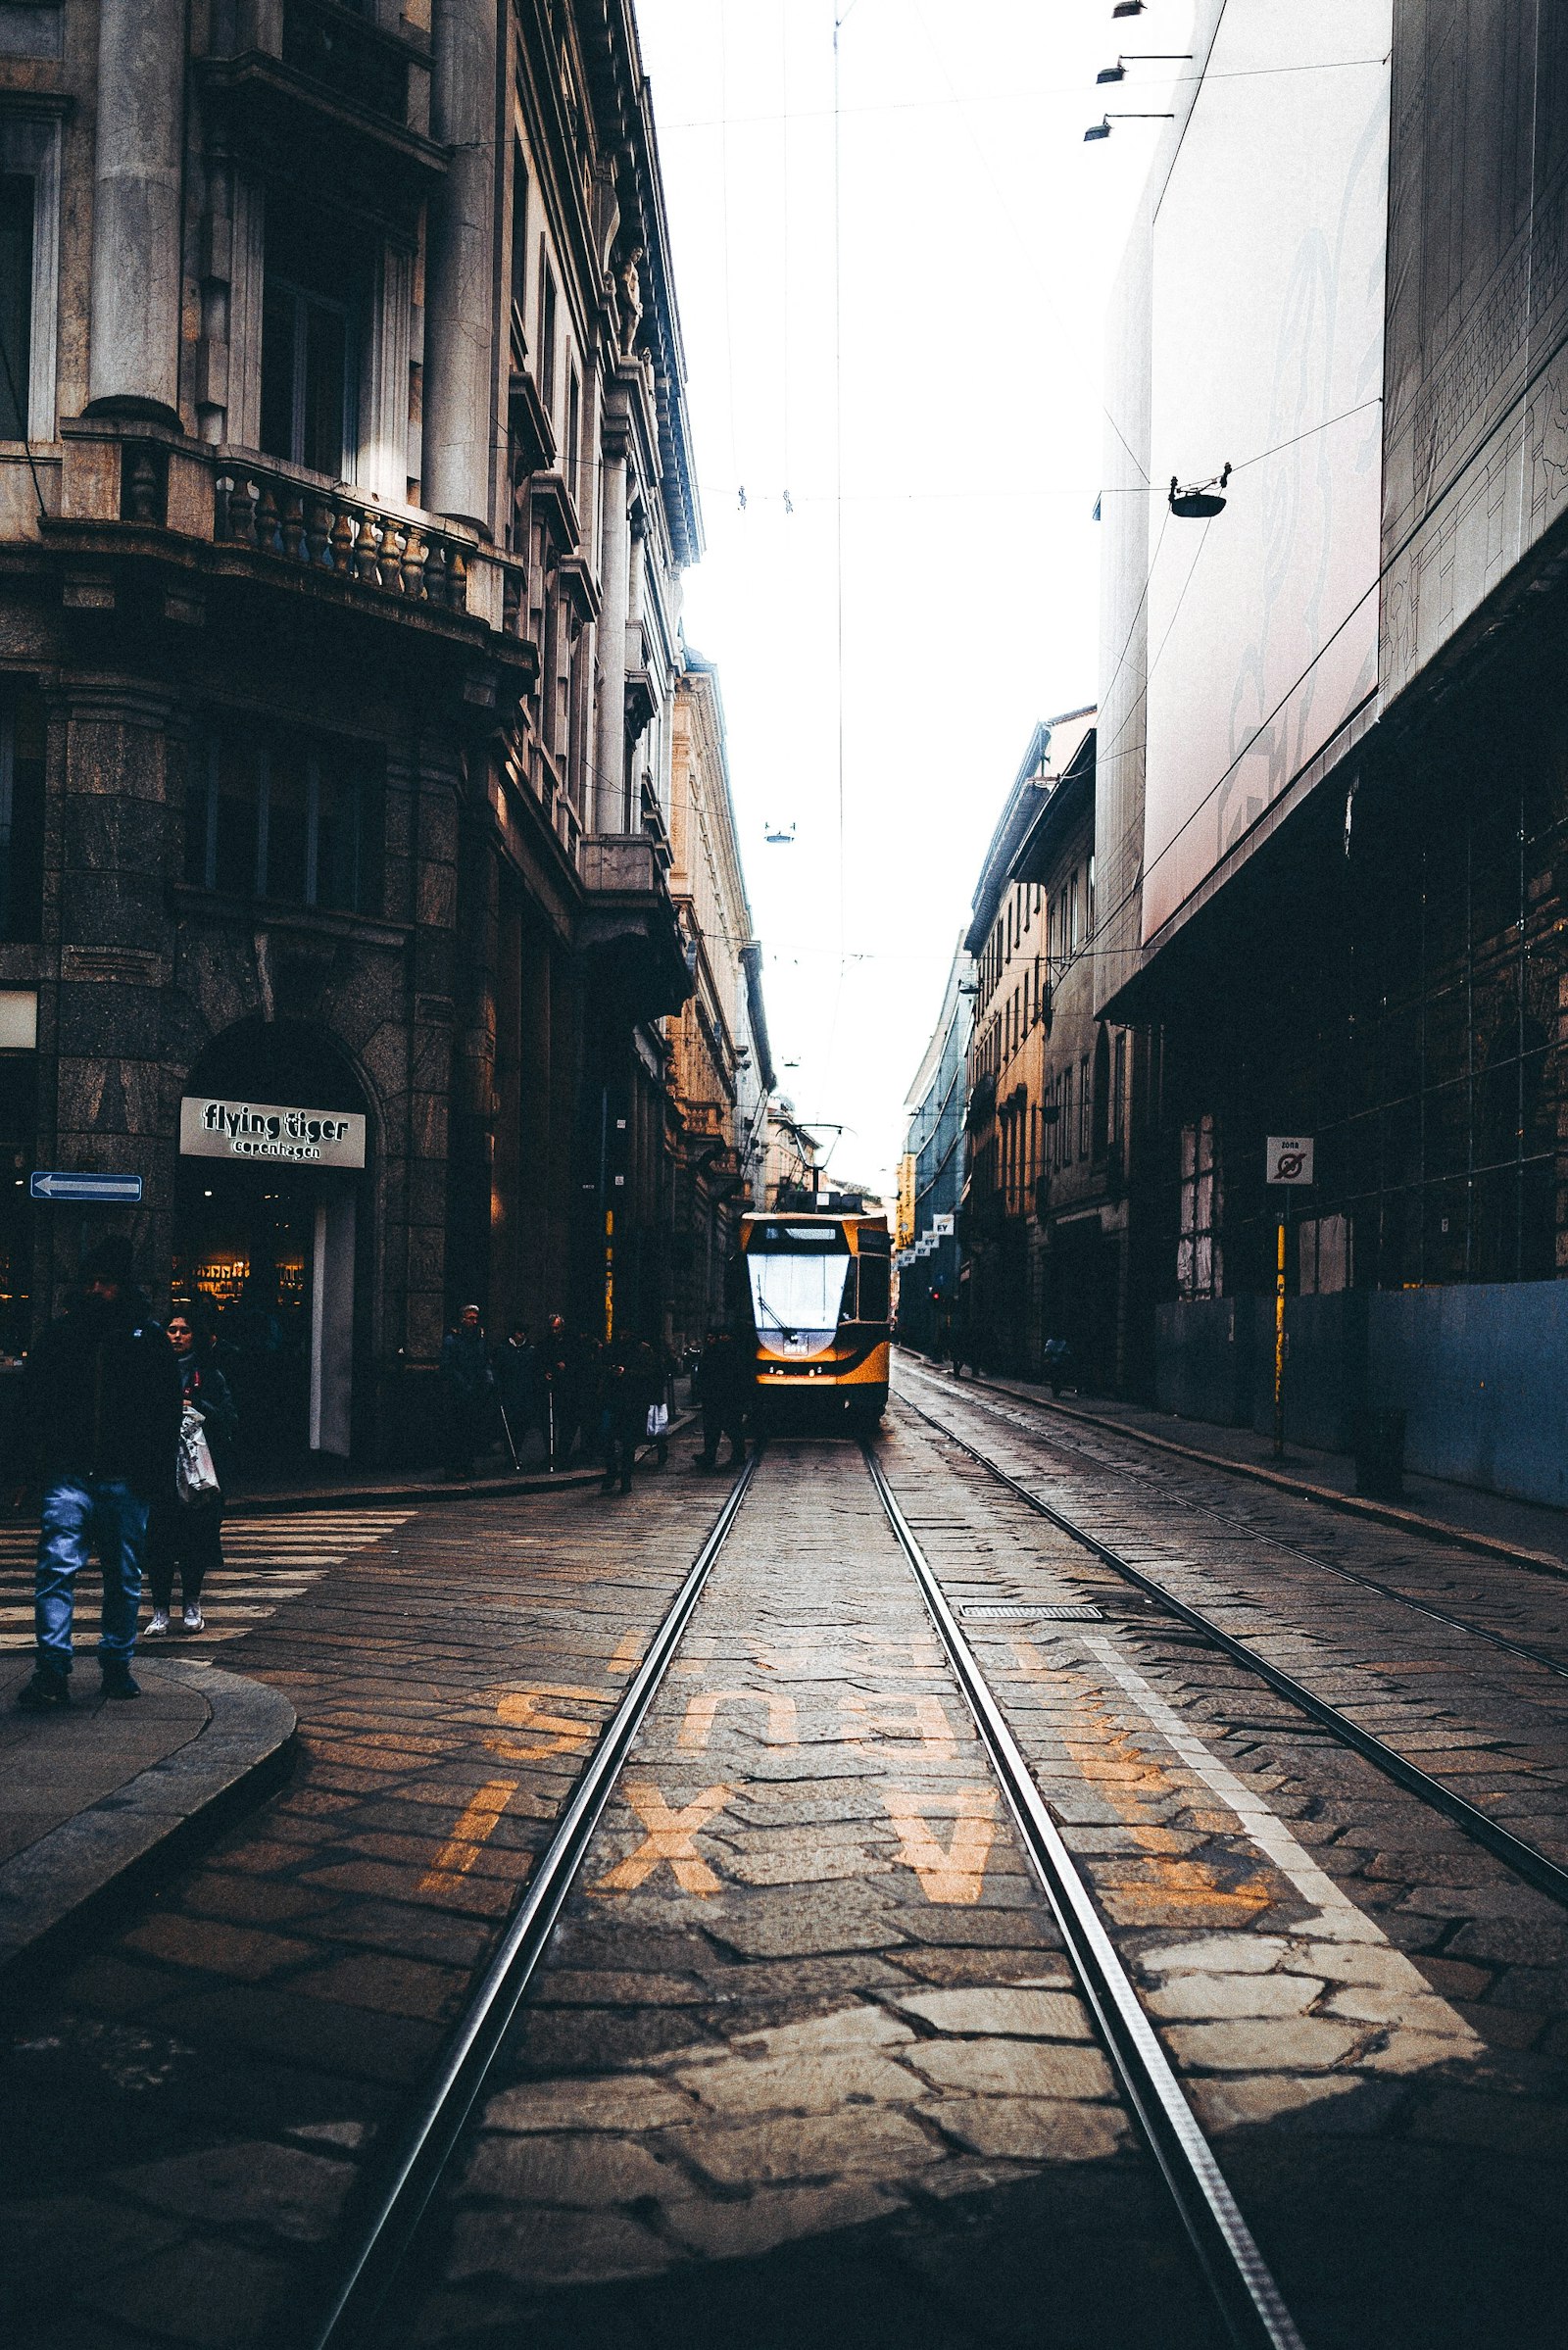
[275, 1150]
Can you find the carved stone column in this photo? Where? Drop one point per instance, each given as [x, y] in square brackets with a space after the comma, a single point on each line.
[137, 277]
[459, 368]
[609, 796]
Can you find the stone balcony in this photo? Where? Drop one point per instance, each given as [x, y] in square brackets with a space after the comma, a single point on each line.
[630, 922]
[135, 489]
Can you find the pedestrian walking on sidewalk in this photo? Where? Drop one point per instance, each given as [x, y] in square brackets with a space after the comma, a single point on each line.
[467, 1386]
[188, 1535]
[630, 1385]
[102, 1401]
[665, 1375]
[725, 1387]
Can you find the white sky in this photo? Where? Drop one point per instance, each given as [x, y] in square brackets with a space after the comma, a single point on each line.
[979, 238]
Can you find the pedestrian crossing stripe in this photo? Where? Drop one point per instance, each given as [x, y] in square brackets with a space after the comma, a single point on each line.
[267, 1560]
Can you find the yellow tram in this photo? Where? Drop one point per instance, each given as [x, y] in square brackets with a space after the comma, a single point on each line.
[817, 1289]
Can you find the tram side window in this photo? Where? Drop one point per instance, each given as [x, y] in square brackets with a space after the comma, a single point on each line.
[289, 818]
[876, 1288]
[22, 745]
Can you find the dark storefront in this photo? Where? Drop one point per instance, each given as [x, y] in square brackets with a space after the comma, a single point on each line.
[1390, 979]
[272, 1196]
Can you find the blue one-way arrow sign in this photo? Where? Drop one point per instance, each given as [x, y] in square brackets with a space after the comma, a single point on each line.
[105, 1191]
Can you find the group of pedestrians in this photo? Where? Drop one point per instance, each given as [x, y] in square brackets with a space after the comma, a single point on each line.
[549, 1389]
[572, 1390]
[125, 1423]
[129, 1425]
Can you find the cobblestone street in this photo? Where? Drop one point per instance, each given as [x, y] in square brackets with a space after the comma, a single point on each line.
[807, 2058]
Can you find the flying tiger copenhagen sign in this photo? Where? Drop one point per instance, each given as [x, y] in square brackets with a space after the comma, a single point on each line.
[210, 1128]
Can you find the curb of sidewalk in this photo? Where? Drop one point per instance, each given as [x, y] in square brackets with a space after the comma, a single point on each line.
[475, 1488]
[1302, 1488]
[59, 1887]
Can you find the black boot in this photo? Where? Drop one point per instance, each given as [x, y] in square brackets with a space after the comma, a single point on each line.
[118, 1681]
[48, 1689]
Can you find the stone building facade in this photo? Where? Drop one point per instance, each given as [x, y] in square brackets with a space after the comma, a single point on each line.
[721, 1067]
[1330, 846]
[1044, 1221]
[342, 518]
[931, 1171]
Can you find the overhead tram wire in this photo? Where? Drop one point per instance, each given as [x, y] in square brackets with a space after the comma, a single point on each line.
[1030, 99]
[838, 17]
[784, 161]
[1006, 211]
[709, 487]
[838, 433]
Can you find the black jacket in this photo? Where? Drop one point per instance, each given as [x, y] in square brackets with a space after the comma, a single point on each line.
[726, 1374]
[103, 1397]
[204, 1387]
[518, 1378]
[465, 1366]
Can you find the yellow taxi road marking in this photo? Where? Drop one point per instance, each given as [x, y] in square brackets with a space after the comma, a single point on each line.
[703, 1710]
[1264, 1828]
[1164, 1881]
[671, 1838]
[561, 1733]
[955, 1875]
[880, 1717]
[476, 1824]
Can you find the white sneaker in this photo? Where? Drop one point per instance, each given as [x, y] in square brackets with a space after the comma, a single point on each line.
[158, 1625]
[193, 1617]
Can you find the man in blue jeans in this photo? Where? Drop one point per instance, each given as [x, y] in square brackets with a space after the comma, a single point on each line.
[102, 1403]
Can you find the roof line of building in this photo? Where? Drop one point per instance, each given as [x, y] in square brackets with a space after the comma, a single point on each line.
[1014, 820]
[924, 1075]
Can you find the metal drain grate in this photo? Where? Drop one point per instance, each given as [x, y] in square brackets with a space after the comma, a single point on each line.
[1077, 1612]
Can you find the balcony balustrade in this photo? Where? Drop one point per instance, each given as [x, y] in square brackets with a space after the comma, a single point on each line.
[631, 920]
[323, 530]
[332, 534]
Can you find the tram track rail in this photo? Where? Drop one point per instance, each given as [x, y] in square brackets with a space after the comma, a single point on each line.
[1524, 1859]
[1238, 2278]
[1054, 1440]
[405, 2188]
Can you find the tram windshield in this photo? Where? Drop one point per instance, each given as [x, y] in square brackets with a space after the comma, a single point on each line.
[797, 1295]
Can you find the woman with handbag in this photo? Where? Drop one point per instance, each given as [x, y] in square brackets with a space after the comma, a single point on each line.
[185, 1523]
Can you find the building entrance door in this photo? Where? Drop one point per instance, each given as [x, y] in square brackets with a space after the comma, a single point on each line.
[267, 1225]
[272, 1254]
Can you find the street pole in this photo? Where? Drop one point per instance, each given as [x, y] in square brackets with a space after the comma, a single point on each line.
[1279, 1340]
[608, 1212]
